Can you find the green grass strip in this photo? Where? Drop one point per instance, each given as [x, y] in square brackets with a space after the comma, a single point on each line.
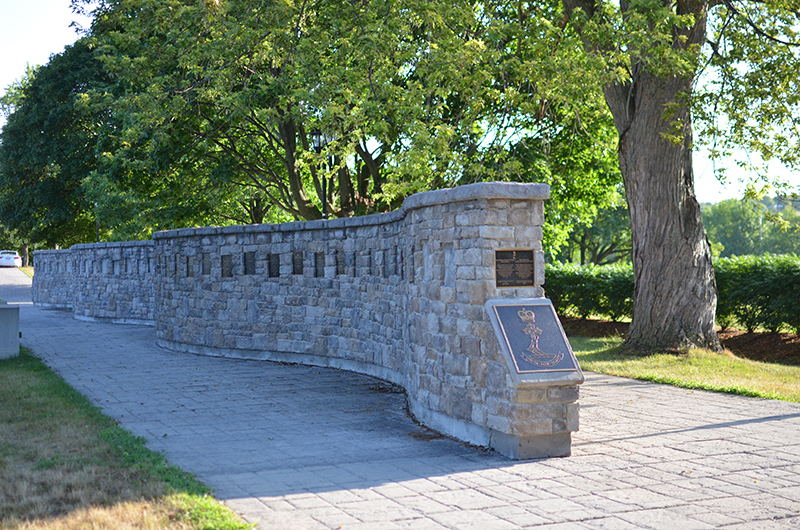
[694, 369]
[54, 442]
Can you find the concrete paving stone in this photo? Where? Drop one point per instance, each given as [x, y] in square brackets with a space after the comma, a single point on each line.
[416, 524]
[471, 520]
[641, 476]
[467, 499]
[305, 501]
[474, 480]
[716, 447]
[716, 519]
[576, 516]
[518, 516]
[277, 504]
[606, 523]
[580, 484]
[509, 494]
[274, 520]
[605, 505]
[640, 497]
[331, 517]
[378, 510]
[394, 491]
[696, 468]
[424, 485]
[678, 492]
[758, 480]
[554, 487]
[758, 507]
[295, 447]
[662, 519]
[766, 524]
[537, 471]
[425, 505]
[384, 525]
[552, 508]
[532, 490]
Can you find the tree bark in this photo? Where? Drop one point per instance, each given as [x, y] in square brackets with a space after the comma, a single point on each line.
[675, 294]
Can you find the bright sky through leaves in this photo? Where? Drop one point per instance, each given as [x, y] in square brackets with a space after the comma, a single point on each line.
[32, 30]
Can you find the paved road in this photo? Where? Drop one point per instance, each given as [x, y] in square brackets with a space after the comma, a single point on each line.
[294, 447]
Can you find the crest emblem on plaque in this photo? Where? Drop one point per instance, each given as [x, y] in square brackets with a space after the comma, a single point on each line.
[532, 339]
[533, 354]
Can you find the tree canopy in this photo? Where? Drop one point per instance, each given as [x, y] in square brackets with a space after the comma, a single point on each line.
[203, 110]
[747, 227]
[46, 151]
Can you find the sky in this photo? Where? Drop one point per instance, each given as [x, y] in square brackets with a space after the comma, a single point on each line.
[32, 30]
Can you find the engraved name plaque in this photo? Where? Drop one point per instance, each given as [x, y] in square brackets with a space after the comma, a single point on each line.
[249, 262]
[535, 345]
[227, 266]
[297, 262]
[513, 268]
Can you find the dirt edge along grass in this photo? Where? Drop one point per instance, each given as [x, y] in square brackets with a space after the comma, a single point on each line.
[62, 460]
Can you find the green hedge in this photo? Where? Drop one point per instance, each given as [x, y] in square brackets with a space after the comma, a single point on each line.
[754, 291]
[589, 290]
[759, 292]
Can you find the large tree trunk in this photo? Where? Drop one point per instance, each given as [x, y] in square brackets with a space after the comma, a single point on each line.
[675, 296]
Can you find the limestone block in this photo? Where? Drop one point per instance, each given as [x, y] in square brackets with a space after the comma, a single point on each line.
[563, 394]
[497, 232]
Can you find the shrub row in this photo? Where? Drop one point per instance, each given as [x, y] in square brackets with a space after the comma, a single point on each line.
[759, 292]
[754, 291]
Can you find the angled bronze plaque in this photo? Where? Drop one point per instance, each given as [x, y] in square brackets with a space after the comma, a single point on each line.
[513, 268]
[531, 335]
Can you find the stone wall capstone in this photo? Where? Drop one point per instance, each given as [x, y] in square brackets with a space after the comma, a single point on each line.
[399, 296]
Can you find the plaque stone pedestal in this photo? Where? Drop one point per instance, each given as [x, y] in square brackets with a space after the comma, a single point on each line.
[541, 404]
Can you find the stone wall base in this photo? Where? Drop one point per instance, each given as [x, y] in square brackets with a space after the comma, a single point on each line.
[529, 447]
[111, 320]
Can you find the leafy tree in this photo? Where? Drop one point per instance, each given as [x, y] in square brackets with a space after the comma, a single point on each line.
[648, 55]
[606, 240]
[428, 94]
[239, 86]
[747, 227]
[46, 152]
[419, 96]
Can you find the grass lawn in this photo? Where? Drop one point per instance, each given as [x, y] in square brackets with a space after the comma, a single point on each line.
[27, 270]
[720, 372]
[64, 465]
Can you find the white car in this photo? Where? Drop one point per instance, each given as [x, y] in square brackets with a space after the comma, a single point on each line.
[10, 258]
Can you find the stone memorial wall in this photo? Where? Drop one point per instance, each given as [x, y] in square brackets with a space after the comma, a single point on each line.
[106, 281]
[399, 296]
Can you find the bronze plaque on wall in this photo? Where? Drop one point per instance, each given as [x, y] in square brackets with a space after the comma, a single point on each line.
[227, 266]
[513, 268]
[531, 337]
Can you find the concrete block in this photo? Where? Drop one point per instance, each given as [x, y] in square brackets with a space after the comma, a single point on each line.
[9, 330]
[530, 447]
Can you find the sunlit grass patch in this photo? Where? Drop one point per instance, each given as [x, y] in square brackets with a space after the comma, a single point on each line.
[696, 368]
[63, 464]
[27, 270]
